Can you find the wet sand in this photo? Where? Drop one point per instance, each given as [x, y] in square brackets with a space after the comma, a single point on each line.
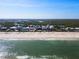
[38, 35]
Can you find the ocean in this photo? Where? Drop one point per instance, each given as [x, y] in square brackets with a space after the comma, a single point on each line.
[39, 49]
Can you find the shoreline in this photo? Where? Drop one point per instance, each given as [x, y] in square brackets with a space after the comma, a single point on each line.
[39, 35]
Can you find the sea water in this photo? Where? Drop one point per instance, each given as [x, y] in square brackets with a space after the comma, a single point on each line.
[39, 49]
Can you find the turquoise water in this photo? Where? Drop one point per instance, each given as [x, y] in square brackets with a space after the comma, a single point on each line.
[39, 49]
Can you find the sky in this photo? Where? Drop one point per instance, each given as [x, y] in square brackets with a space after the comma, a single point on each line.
[39, 9]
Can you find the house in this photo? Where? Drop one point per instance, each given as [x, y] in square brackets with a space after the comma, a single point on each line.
[44, 28]
[38, 28]
[3, 28]
[13, 28]
[32, 28]
[25, 29]
[76, 29]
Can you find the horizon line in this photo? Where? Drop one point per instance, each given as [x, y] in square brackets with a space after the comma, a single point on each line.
[37, 18]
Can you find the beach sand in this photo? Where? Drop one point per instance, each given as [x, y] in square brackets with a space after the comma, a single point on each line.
[39, 35]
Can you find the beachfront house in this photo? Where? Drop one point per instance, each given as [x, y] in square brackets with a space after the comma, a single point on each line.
[69, 29]
[38, 28]
[76, 29]
[25, 29]
[13, 28]
[32, 28]
[51, 28]
[44, 28]
[3, 28]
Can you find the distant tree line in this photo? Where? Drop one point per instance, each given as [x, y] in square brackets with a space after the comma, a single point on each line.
[68, 23]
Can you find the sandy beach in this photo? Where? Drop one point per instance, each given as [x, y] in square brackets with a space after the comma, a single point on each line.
[38, 35]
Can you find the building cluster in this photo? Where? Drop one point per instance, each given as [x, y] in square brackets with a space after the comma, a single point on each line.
[29, 28]
[39, 28]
